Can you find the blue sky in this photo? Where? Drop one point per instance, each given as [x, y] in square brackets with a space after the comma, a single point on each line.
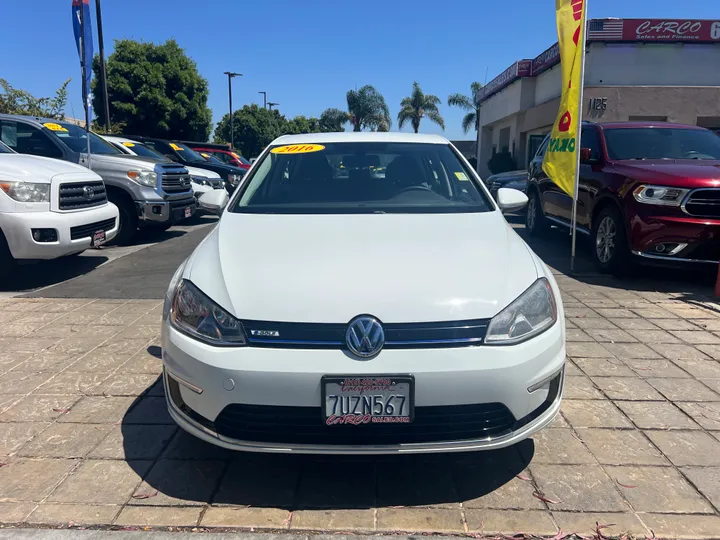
[306, 55]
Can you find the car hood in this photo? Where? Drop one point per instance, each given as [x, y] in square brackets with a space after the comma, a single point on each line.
[28, 168]
[125, 162]
[204, 173]
[681, 173]
[331, 268]
[219, 168]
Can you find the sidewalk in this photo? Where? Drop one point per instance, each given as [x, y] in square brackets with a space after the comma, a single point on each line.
[86, 440]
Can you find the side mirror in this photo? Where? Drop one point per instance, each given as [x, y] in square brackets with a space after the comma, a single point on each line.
[586, 156]
[214, 201]
[510, 200]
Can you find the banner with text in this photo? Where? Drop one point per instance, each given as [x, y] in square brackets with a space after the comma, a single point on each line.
[560, 161]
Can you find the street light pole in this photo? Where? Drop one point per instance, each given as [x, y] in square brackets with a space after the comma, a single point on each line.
[264, 99]
[231, 75]
[272, 104]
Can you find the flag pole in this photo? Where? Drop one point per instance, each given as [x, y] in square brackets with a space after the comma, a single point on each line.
[85, 89]
[578, 135]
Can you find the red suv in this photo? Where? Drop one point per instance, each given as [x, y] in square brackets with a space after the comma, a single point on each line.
[226, 156]
[647, 191]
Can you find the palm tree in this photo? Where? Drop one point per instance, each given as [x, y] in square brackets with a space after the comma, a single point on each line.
[419, 105]
[367, 109]
[333, 120]
[468, 103]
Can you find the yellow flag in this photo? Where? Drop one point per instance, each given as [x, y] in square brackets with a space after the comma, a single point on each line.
[560, 161]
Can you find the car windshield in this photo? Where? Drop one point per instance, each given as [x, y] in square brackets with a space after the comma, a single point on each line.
[661, 143]
[187, 153]
[340, 178]
[242, 159]
[211, 159]
[143, 151]
[76, 138]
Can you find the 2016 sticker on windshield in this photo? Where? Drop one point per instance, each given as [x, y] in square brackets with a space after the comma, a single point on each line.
[298, 149]
[54, 127]
[128, 144]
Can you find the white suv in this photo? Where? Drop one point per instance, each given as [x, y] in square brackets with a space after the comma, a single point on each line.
[50, 208]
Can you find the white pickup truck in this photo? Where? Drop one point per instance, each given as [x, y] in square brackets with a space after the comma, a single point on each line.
[50, 208]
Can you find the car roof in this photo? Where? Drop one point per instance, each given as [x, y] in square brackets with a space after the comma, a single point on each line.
[648, 124]
[120, 139]
[35, 119]
[362, 136]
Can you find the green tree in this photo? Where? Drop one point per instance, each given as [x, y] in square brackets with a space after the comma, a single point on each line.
[367, 109]
[418, 106]
[332, 120]
[14, 101]
[154, 90]
[469, 103]
[255, 128]
[302, 124]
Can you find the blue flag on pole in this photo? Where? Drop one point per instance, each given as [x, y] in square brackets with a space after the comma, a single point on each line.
[83, 39]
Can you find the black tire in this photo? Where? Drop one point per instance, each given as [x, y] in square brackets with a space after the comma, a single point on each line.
[7, 263]
[610, 249]
[128, 218]
[535, 221]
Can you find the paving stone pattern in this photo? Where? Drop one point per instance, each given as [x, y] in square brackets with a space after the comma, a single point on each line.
[85, 437]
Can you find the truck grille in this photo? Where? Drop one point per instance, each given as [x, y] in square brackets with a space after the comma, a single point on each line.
[176, 183]
[82, 195]
[86, 231]
[703, 203]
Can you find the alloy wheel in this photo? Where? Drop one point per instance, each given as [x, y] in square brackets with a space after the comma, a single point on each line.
[605, 240]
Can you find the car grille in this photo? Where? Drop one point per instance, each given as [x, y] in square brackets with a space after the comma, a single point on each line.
[85, 231]
[304, 425]
[82, 195]
[703, 203]
[397, 335]
[175, 183]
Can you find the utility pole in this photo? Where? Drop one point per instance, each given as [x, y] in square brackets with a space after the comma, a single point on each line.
[231, 75]
[103, 70]
[264, 99]
[272, 104]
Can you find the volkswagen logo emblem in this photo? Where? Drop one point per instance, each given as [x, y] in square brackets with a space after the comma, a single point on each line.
[365, 336]
[88, 192]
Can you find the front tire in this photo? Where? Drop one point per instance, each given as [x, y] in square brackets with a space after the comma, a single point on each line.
[128, 220]
[611, 252]
[7, 261]
[535, 221]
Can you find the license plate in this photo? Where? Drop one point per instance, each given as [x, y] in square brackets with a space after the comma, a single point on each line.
[368, 400]
[98, 238]
[188, 212]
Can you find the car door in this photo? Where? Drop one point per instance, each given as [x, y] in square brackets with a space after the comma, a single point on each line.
[591, 176]
[26, 138]
[555, 202]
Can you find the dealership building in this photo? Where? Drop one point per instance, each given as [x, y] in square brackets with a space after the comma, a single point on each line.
[635, 69]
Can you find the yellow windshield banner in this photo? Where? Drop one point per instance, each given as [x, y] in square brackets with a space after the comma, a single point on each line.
[54, 127]
[298, 149]
[560, 161]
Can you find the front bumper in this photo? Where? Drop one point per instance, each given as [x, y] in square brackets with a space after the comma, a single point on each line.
[279, 378]
[165, 211]
[17, 228]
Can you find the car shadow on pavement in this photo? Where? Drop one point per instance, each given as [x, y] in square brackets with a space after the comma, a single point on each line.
[45, 273]
[176, 467]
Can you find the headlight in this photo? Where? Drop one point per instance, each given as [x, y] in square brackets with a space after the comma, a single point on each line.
[660, 195]
[235, 179]
[146, 178]
[200, 181]
[26, 191]
[195, 314]
[533, 312]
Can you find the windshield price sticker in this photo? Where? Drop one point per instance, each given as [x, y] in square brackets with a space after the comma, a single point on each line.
[54, 127]
[298, 149]
[175, 147]
[128, 144]
[462, 176]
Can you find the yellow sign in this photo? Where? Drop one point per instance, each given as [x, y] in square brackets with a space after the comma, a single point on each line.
[462, 176]
[298, 149]
[128, 144]
[54, 127]
[205, 155]
[560, 161]
[175, 147]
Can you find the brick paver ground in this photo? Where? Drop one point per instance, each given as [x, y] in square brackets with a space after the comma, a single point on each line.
[85, 438]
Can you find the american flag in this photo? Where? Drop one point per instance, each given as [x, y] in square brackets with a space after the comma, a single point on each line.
[600, 30]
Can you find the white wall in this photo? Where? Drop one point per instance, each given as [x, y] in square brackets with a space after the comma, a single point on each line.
[665, 64]
[502, 104]
[547, 85]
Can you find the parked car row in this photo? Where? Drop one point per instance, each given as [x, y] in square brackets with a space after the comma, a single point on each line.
[648, 192]
[56, 200]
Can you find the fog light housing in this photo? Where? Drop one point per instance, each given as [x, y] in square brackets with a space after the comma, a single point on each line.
[157, 210]
[44, 236]
[668, 248]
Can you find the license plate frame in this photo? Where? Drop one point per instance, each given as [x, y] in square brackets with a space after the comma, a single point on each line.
[395, 379]
[188, 212]
[98, 238]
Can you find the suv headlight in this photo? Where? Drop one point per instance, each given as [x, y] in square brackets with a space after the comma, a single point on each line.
[195, 314]
[660, 195]
[235, 179]
[200, 181]
[26, 191]
[146, 178]
[533, 312]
